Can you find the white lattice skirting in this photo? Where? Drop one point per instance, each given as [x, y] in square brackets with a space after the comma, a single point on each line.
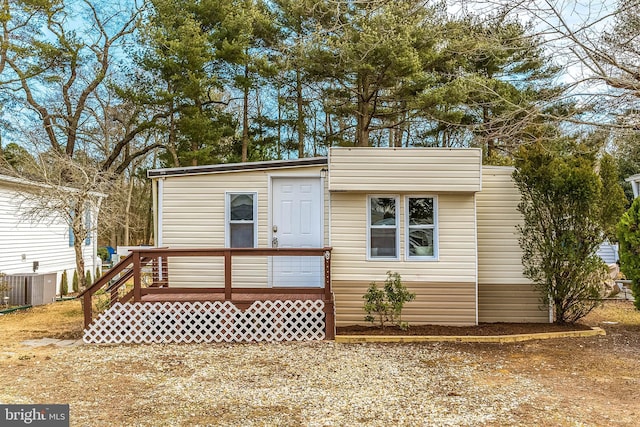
[207, 322]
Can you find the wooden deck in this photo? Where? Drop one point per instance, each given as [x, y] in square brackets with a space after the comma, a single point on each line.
[115, 285]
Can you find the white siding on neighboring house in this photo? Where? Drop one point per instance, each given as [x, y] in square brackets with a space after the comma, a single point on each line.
[23, 241]
[193, 215]
[504, 293]
[405, 169]
[608, 252]
[635, 184]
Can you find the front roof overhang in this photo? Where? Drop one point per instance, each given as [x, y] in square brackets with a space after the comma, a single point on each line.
[236, 167]
[22, 182]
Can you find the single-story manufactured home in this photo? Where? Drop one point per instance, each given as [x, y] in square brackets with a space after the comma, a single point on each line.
[329, 226]
[36, 246]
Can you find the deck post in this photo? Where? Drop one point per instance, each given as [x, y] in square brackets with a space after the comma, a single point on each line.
[329, 320]
[329, 308]
[137, 291]
[88, 309]
[227, 275]
[327, 274]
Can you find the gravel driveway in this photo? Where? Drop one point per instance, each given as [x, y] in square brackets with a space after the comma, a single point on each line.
[558, 382]
[316, 384]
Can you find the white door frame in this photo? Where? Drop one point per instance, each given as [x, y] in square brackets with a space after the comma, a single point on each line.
[275, 176]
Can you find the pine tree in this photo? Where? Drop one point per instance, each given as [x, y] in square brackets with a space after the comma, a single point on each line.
[64, 284]
[629, 238]
[75, 282]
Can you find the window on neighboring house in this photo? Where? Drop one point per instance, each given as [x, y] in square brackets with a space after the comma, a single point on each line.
[72, 237]
[383, 227]
[421, 232]
[242, 223]
[87, 225]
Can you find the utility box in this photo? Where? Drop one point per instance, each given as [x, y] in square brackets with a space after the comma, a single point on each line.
[32, 288]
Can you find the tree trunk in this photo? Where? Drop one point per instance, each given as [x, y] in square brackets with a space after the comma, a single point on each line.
[127, 212]
[77, 246]
[80, 233]
[490, 142]
[148, 233]
[401, 126]
[328, 128]
[171, 139]
[300, 118]
[245, 117]
[113, 237]
[314, 138]
[260, 135]
[362, 126]
[363, 114]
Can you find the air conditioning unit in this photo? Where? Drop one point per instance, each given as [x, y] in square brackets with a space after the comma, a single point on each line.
[32, 288]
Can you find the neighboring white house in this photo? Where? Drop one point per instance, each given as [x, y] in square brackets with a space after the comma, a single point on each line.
[45, 246]
[635, 184]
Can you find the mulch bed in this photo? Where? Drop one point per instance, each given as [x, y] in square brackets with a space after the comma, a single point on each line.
[483, 329]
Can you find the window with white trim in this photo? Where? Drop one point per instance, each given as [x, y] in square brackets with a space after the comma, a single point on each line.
[242, 224]
[420, 225]
[383, 238]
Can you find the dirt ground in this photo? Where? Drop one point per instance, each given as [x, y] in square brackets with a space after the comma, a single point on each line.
[559, 382]
[595, 380]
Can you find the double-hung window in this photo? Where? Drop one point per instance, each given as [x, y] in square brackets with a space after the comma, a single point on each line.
[383, 227]
[241, 214]
[421, 231]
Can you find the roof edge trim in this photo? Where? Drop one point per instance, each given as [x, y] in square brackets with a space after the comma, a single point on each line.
[236, 167]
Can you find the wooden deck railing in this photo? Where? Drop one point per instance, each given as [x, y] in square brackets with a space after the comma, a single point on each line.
[152, 265]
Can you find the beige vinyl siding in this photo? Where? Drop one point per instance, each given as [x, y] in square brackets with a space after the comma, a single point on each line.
[193, 215]
[456, 242]
[446, 286]
[436, 303]
[504, 293]
[395, 169]
[510, 303]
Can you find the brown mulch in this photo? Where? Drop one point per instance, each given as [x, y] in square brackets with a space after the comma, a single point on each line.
[483, 329]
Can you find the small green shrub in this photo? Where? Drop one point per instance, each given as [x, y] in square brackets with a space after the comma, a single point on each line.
[4, 288]
[98, 273]
[385, 305]
[103, 253]
[75, 283]
[88, 278]
[629, 238]
[64, 284]
[102, 301]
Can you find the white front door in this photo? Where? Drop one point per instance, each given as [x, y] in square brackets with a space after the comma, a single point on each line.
[296, 222]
